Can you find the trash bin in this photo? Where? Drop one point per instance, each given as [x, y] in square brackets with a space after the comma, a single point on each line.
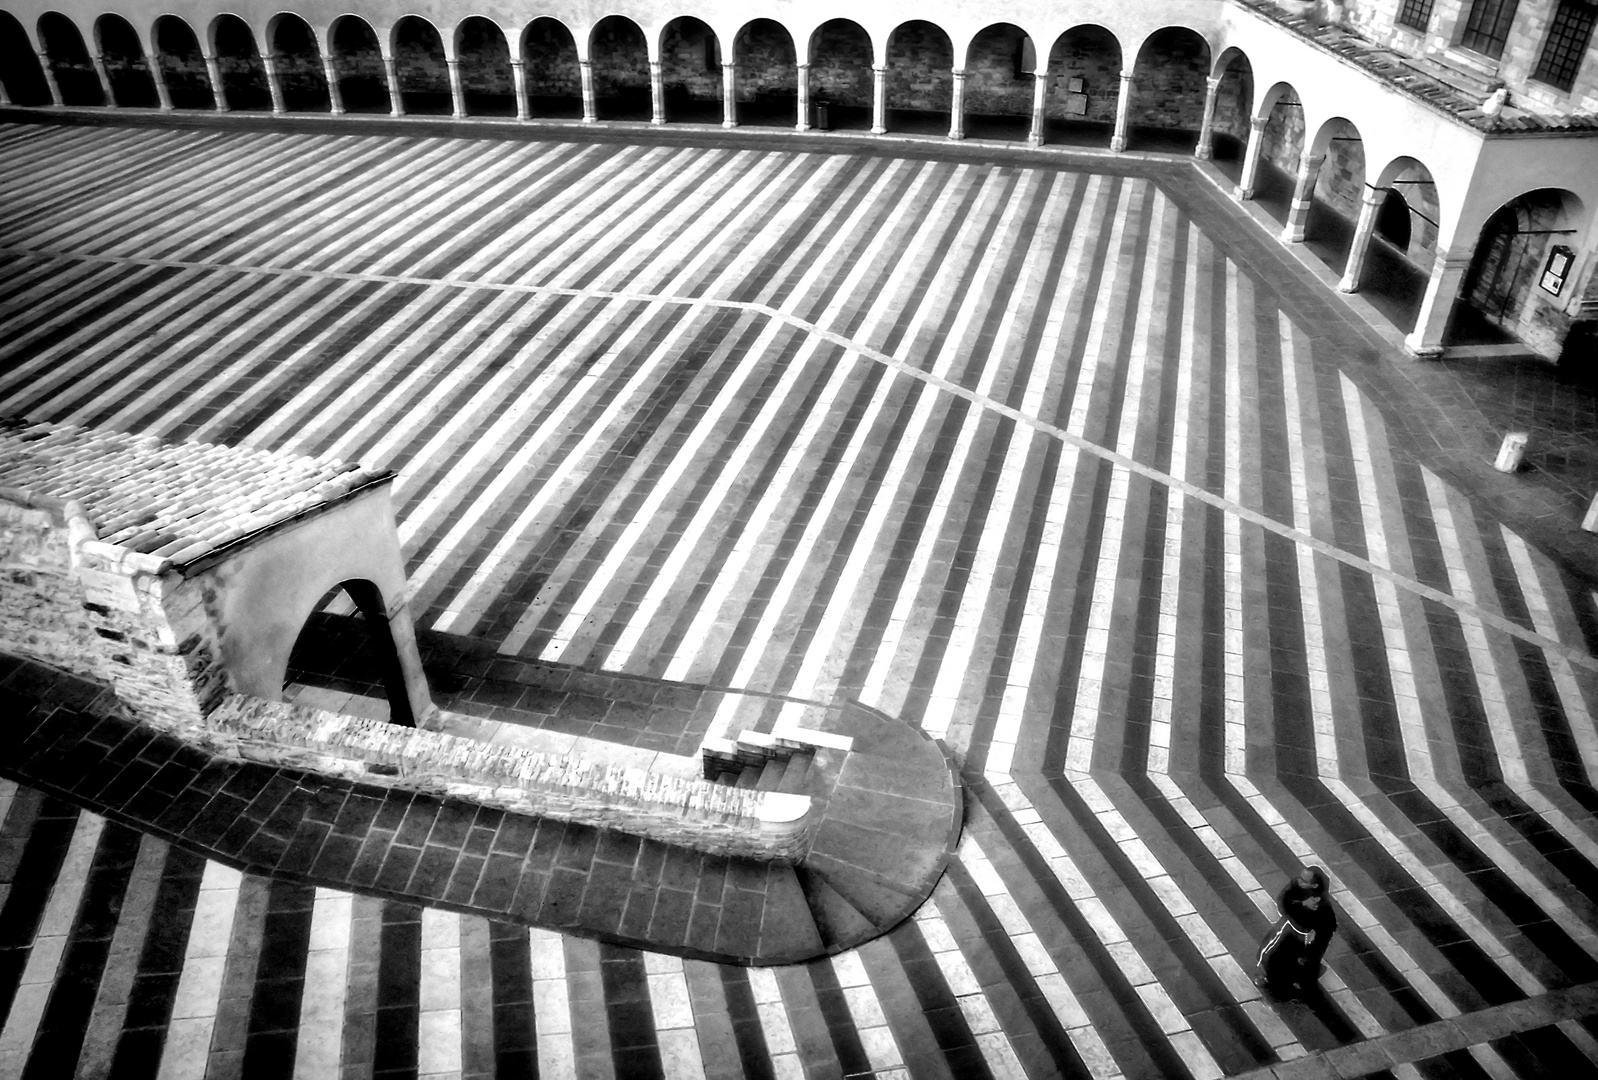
[820, 120]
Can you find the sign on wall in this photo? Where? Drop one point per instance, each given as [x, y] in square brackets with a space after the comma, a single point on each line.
[1556, 269]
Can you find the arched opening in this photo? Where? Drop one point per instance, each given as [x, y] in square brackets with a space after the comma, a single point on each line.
[1084, 87]
[1392, 220]
[690, 72]
[239, 62]
[298, 61]
[1508, 294]
[125, 66]
[1234, 104]
[349, 663]
[619, 57]
[1282, 144]
[1168, 89]
[840, 75]
[920, 78]
[358, 59]
[420, 69]
[998, 83]
[768, 74]
[177, 51]
[1335, 198]
[20, 72]
[554, 78]
[484, 57]
[69, 60]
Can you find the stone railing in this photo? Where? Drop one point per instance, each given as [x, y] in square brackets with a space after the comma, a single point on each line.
[687, 811]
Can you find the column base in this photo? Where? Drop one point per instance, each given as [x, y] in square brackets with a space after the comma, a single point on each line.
[657, 121]
[1117, 144]
[729, 124]
[521, 116]
[879, 131]
[1347, 286]
[1421, 350]
[1293, 234]
[803, 125]
[164, 108]
[1034, 140]
[1204, 153]
[396, 112]
[956, 134]
[336, 112]
[223, 108]
[280, 112]
[1242, 194]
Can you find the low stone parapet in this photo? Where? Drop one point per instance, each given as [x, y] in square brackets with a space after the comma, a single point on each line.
[694, 813]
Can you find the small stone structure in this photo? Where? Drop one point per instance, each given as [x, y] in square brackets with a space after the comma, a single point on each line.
[180, 576]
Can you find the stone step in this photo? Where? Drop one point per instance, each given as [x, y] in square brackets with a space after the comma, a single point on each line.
[770, 774]
[837, 921]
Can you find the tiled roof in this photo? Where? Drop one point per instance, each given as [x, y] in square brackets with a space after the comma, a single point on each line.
[173, 500]
[1409, 75]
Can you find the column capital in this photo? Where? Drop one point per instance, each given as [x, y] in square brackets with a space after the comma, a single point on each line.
[1308, 160]
[803, 67]
[1126, 74]
[453, 62]
[583, 63]
[1258, 122]
[879, 69]
[1372, 196]
[958, 73]
[654, 65]
[517, 63]
[1213, 83]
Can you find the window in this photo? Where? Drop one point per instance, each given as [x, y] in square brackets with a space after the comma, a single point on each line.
[1415, 13]
[1487, 29]
[1566, 44]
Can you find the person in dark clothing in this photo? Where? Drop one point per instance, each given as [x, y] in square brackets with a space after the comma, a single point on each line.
[1290, 956]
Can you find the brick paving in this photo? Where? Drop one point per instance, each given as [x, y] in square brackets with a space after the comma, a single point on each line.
[1061, 459]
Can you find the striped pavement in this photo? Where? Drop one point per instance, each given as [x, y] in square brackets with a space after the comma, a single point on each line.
[1029, 455]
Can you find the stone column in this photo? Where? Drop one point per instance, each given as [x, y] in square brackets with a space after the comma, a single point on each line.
[657, 92]
[585, 68]
[729, 94]
[157, 76]
[105, 80]
[49, 78]
[1309, 169]
[518, 74]
[1437, 306]
[879, 100]
[335, 98]
[957, 105]
[395, 101]
[1206, 140]
[273, 87]
[802, 83]
[5, 98]
[1123, 111]
[1040, 104]
[1370, 201]
[214, 73]
[457, 95]
[1251, 159]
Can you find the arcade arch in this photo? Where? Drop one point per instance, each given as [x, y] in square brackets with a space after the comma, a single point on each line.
[551, 70]
[361, 78]
[919, 79]
[482, 56]
[999, 68]
[767, 73]
[1504, 292]
[296, 64]
[420, 70]
[181, 64]
[122, 56]
[1168, 88]
[1084, 86]
[241, 73]
[375, 653]
[690, 72]
[619, 60]
[841, 73]
[67, 61]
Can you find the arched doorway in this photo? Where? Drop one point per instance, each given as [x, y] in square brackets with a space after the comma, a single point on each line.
[998, 82]
[920, 85]
[423, 75]
[349, 654]
[239, 62]
[69, 61]
[358, 59]
[1338, 183]
[554, 78]
[690, 72]
[123, 56]
[20, 72]
[840, 75]
[1508, 294]
[1234, 105]
[1392, 221]
[619, 57]
[1084, 86]
[1168, 89]
[768, 84]
[485, 73]
[298, 62]
[177, 51]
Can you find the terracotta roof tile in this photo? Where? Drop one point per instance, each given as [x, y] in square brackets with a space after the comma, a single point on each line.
[172, 500]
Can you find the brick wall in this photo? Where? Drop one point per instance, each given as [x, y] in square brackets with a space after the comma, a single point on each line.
[550, 54]
[1234, 101]
[840, 64]
[690, 60]
[1169, 87]
[1341, 183]
[1092, 55]
[920, 68]
[766, 59]
[419, 58]
[992, 86]
[484, 57]
[621, 59]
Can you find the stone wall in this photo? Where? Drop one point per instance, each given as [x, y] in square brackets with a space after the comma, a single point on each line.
[484, 57]
[920, 68]
[1342, 179]
[993, 86]
[1234, 102]
[690, 60]
[1092, 55]
[620, 58]
[419, 59]
[840, 65]
[765, 56]
[550, 55]
[1169, 85]
[694, 813]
